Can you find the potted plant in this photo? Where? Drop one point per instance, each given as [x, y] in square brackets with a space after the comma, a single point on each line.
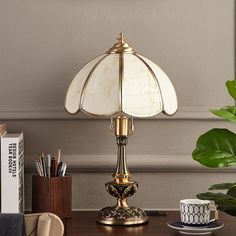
[216, 149]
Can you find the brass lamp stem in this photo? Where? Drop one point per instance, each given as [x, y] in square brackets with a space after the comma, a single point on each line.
[122, 131]
[121, 187]
[122, 174]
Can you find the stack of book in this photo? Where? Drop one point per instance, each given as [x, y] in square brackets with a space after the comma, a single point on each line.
[12, 171]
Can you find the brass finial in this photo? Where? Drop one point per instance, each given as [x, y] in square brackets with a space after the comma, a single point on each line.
[121, 46]
[121, 39]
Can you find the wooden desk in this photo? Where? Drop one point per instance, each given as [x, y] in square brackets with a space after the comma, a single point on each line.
[84, 224]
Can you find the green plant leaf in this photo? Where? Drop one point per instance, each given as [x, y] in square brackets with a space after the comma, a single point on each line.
[216, 148]
[232, 191]
[228, 113]
[228, 206]
[214, 196]
[231, 86]
[223, 186]
[225, 202]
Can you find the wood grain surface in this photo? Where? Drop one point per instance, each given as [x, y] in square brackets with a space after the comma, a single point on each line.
[84, 224]
[52, 195]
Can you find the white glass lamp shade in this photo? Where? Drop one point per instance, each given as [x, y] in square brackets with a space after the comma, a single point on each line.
[121, 83]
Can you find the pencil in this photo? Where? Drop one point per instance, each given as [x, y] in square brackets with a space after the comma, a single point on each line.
[43, 161]
[59, 155]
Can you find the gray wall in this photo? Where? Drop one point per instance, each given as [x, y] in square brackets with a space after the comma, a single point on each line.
[44, 43]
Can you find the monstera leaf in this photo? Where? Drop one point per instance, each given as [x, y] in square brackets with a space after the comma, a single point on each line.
[216, 148]
[228, 113]
[231, 86]
[223, 186]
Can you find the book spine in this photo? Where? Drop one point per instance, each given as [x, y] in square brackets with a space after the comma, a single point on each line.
[9, 177]
[2, 133]
[21, 174]
[12, 174]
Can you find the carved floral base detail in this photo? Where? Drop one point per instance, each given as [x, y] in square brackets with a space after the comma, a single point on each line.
[122, 216]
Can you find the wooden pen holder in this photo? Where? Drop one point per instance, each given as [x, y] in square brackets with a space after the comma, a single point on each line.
[52, 195]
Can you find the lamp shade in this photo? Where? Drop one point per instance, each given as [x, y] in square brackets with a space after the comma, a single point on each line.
[121, 82]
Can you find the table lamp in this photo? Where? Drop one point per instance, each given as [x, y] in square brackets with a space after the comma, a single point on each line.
[121, 84]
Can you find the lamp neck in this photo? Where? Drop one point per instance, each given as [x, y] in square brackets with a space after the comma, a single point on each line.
[123, 129]
[122, 174]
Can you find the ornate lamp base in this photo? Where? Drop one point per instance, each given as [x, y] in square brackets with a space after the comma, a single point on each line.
[122, 216]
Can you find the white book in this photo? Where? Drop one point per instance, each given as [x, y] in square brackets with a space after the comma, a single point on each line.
[2, 132]
[12, 173]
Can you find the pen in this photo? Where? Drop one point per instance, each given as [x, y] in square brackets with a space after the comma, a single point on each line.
[49, 165]
[64, 165]
[42, 160]
[37, 165]
[53, 167]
